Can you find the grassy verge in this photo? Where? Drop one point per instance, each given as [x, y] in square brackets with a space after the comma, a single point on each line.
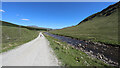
[69, 56]
[15, 36]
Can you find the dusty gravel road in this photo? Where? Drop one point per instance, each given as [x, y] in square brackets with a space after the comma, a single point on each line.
[34, 53]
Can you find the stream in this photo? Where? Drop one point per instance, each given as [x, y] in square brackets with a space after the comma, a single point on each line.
[107, 53]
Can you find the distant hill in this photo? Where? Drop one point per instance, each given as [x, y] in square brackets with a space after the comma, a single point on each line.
[39, 27]
[99, 27]
[28, 27]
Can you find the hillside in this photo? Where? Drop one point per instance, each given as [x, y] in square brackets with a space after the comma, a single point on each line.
[99, 27]
[40, 27]
[13, 35]
[28, 27]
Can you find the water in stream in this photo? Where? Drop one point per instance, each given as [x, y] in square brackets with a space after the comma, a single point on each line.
[106, 53]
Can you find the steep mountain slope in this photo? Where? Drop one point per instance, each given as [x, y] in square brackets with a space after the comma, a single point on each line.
[13, 35]
[100, 27]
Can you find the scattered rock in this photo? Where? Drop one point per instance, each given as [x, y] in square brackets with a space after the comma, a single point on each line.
[79, 45]
[81, 57]
[91, 51]
[104, 49]
[10, 45]
[8, 38]
[77, 59]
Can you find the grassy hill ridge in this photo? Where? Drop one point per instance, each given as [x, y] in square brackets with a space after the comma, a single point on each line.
[105, 12]
[13, 35]
[15, 25]
[99, 27]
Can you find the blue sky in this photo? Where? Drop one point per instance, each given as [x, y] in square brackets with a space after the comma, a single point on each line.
[50, 14]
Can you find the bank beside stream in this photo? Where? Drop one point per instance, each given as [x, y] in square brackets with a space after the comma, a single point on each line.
[97, 50]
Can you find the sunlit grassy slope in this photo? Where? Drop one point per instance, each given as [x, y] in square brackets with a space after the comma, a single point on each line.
[100, 27]
[13, 36]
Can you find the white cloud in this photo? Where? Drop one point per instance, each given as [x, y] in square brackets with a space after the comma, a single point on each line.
[2, 10]
[25, 19]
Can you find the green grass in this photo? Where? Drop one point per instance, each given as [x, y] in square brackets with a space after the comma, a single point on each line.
[99, 29]
[69, 56]
[15, 36]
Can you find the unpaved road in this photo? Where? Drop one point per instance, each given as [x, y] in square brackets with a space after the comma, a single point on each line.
[34, 53]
